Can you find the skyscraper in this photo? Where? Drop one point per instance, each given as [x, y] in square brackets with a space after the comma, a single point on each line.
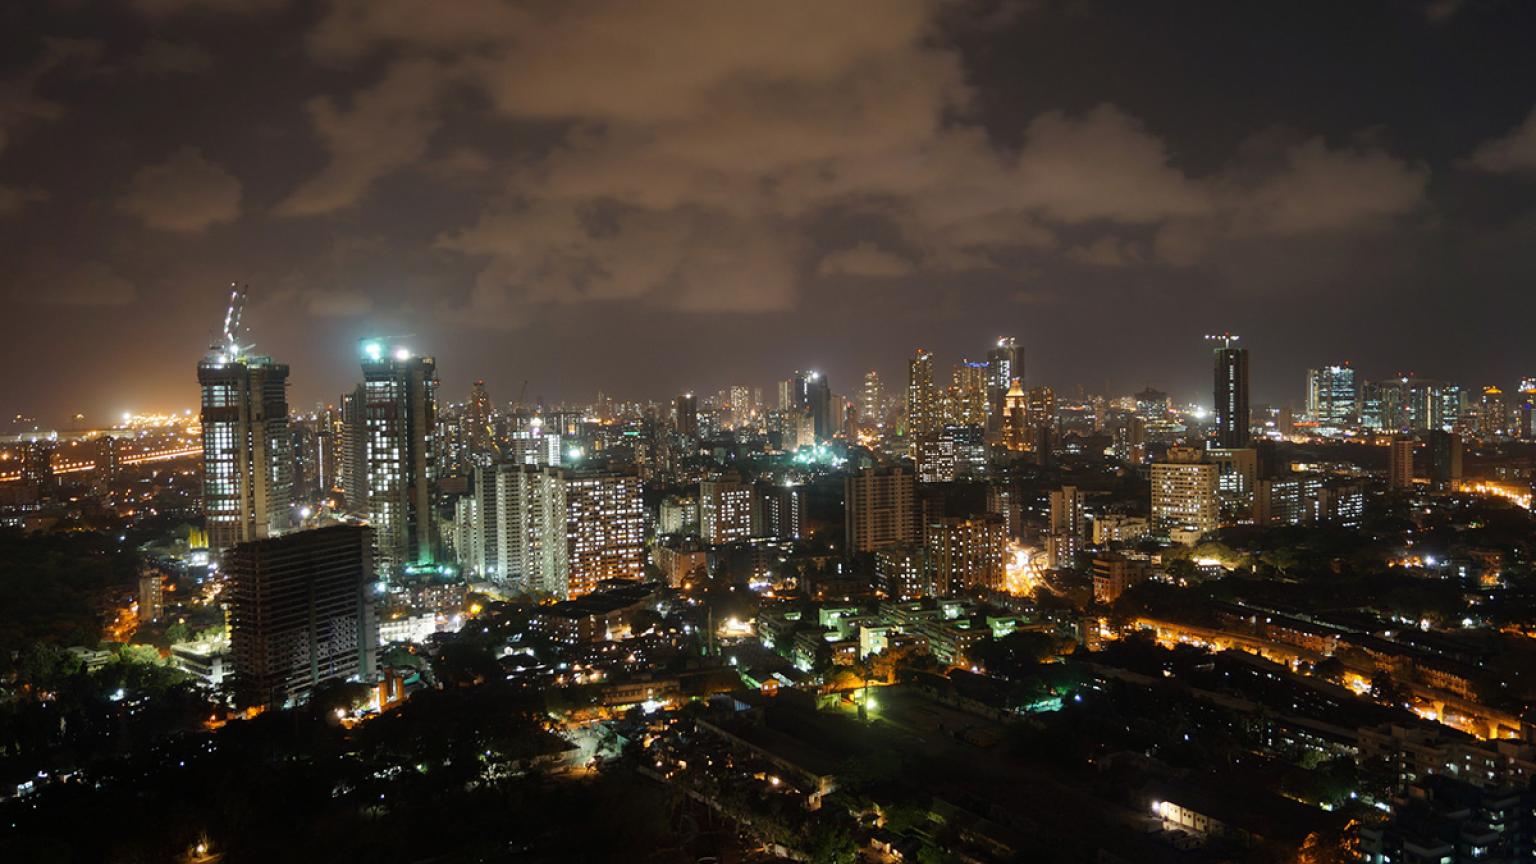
[247, 443]
[1042, 407]
[1231, 392]
[1015, 428]
[1005, 363]
[1331, 395]
[352, 474]
[968, 395]
[686, 415]
[880, 509]
[1185, 492]
[1494, 414]
[1068, 526]
[725, 509]
[818, 403]
[872, 400]
[399, 413]
[923, 406]
[561, 531]
[480, 426]
[965, 553]
[301, 612]
[1400, 463]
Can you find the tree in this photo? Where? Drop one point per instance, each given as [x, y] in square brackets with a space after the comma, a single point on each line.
[830, 843]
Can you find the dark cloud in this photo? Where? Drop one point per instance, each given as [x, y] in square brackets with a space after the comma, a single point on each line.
[1514, 153]
[54, 281]
[851, 177]
[185, 193]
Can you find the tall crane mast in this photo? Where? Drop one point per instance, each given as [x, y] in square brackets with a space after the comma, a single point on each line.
[230, 337]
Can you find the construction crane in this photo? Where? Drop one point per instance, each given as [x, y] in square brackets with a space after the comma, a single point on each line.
[229, 340]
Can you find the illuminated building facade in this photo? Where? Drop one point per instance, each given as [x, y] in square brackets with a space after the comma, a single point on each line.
[399, 415]
[880, 509]
[247, 447]
[1231, 392]
[899, 571]
[923, 404]
[1015, 427]
[965, 554]
[1331, 396]
[725, 510]
[1185, 492]
[778, 511]
[966, 401]
[1005, 364]
[1041, 410]
[872, 399]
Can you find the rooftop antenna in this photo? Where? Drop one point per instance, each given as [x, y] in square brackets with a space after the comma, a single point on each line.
[1226, 339]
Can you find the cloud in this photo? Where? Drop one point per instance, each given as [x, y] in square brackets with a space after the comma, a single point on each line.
[1512, 153]
[14, 198]
[187, 193]
[57, 281]
[338, 304]
[864, 259]
[161, 59]
[171, 8]
[691, 166]
[1106, 251]
[1319, 190]
[382, 130]
[20, 102]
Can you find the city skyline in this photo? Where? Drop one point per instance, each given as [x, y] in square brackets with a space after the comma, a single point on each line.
[960, 175]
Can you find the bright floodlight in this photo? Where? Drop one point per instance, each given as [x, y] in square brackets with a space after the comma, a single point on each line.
[374, 350]
[402, 354]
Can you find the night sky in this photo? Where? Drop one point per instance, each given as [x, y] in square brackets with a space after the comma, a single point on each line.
[646, 197]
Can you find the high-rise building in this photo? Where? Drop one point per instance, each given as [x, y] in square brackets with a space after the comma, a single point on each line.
[900, 571]
[1185, 492]
[872, 399]
[742, 408]
[1042, 407]
[686, 415]
[725, 509]
[479, 423]
[301, 612]
[778, 511]
[1331, 396]
[966, 553]
[1445, 460]
[1068, 527]
[1005, 363]
[880, 509]
[595, 524]
[1231, 392]
[151, 594]
[967, 402]
[1400, 463]
[352, 472]
[400, 415]
[808, 395]
[818, 403]
[1494, 413]
[561, 531]
[247, 442]
[923, 408]
[1152, 404]
[1015, 427]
